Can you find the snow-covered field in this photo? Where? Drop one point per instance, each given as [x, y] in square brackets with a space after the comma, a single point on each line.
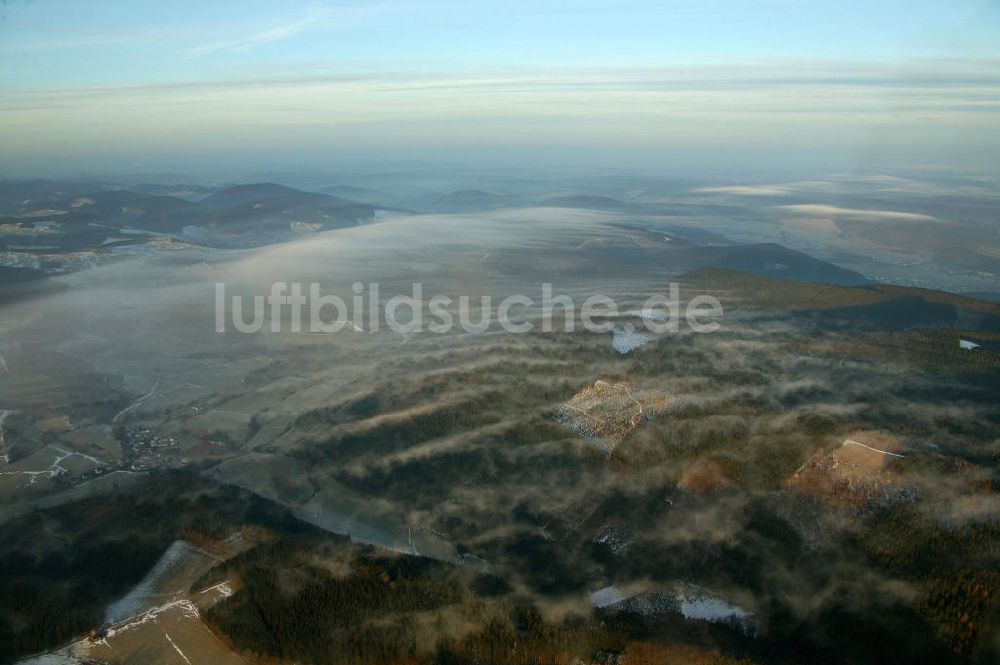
[625, 341]
[691, 601]
[179, 566]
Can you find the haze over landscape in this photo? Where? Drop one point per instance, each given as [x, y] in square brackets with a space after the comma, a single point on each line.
[668, 332]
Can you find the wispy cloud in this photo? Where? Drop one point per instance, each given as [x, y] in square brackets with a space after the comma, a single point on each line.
[745, 190]
[819, 210]
[639, 111]
[312, 19]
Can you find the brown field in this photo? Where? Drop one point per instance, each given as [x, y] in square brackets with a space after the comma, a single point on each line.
[172, 634]
[871, 451]
[854, 475]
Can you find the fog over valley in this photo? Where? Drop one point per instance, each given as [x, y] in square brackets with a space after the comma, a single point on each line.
[539, 333]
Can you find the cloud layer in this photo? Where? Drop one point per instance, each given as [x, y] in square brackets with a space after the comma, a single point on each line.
[762, 112]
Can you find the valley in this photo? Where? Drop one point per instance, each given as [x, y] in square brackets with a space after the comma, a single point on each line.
[745, 495]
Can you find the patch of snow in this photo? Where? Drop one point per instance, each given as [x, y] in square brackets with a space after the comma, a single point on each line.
[222, 587]
[176, 648]
[709, 608]
[625, 341]
[128, 623]
[650, 604]
[654, 315]
[967, 345]
[698, 604]
[691, 601]
[606, 597]
[133, 600]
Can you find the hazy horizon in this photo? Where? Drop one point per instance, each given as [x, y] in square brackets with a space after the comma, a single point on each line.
[711, 87]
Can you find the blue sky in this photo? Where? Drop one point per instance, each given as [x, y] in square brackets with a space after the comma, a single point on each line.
[116, 81]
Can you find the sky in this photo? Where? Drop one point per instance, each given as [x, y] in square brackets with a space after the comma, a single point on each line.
[642, 84]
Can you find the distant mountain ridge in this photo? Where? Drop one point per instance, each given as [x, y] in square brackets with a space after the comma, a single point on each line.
[584, 201]
[75, 216]
[269, 192]
[871, 306]
[774, 260]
